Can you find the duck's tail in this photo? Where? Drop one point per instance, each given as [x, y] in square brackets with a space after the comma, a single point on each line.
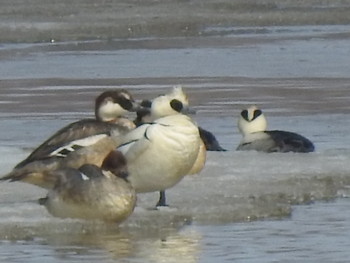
[35, 173]
[39, 172]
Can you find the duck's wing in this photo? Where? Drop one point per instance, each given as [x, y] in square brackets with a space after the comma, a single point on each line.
[72, 137]
[136, 141]
[257, 141]
[70, 177]
[40, 172]
[291, 142]
[260, 145]
[68, 181]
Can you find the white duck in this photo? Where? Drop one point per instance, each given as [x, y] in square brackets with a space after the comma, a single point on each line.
[166, 105]
[160, 153]
[252, 124]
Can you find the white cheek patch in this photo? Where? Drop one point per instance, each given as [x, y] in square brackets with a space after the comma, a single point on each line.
[127, 96]
[161, 107]
[250, 115]
[75, 145]
[179, 94]
[111, 110]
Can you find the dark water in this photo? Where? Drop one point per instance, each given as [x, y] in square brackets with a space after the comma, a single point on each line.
[290, 58]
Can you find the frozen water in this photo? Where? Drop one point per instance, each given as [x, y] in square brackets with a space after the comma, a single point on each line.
[244, 206]
[234, 186]
[293, 57]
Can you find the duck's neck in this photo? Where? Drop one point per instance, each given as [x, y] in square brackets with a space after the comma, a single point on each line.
[123, 121]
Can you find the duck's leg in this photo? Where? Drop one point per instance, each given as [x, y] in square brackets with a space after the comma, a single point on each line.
[162, 199]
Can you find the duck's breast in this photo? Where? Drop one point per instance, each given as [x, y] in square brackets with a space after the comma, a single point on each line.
[163, 156]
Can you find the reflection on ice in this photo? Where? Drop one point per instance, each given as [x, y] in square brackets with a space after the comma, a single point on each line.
[70, 238]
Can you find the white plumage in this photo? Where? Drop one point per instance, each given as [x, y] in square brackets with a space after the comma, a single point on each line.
[160, 154]
[252, 124]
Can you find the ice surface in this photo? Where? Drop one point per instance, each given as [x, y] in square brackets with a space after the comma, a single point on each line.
[234, 186]
[297, 73]
[291, 58]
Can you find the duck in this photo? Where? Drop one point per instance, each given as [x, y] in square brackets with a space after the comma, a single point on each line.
[160, 109]
[252, 124]
[91, 192]
[110, 106]
[160, 153]
[169, 104]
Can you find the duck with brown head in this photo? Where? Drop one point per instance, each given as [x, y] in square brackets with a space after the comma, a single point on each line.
[91, 192]
[110, 106]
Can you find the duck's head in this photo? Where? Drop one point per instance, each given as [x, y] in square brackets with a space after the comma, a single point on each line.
[172, 103]
[116, 163]
[178, 93]
[252, 120]
[164, 106]
[112, 104]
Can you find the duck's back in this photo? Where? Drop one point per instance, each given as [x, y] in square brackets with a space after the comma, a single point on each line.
[107, 198]
[276, 141]
[291, 142]
[72, 137]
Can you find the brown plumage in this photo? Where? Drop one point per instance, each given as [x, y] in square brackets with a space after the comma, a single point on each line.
[84, 141]
[92, 193]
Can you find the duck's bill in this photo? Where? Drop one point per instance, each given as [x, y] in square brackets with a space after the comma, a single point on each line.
[136, 106]
[188, 110]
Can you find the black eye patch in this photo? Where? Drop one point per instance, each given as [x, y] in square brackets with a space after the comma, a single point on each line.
[244, 114]
[256, 114]
[176, 105]
[124, 103]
